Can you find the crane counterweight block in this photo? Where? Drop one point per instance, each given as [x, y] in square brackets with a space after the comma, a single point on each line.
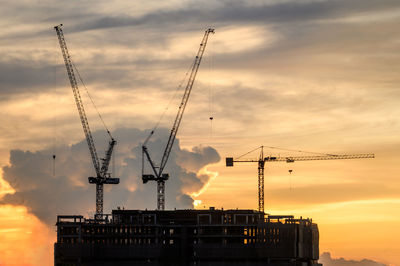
[229, 161]
[164, 177]
[150, 177]
[110, 180]
[147, 178]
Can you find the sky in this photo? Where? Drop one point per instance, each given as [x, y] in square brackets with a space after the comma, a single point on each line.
[317, 76]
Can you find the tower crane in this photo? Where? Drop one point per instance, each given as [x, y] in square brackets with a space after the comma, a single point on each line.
[288, 159]
[158, 174]
[102, 176]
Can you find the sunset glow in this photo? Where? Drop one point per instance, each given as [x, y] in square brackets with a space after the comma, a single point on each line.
[315, 76]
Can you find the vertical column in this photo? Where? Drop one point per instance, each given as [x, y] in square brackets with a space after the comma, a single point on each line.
[99, 201]
[261, 185]
[160, 195]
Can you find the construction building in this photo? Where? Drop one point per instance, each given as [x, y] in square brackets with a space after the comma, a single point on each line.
[186, 237]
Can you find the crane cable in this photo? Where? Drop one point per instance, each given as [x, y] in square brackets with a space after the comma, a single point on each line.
[285, 149]
[91, 99]
[169, 102]
[210, 95]
[248, 152]
[55, 117]
[311, 152]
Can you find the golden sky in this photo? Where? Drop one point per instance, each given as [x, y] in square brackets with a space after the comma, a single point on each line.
[319, 75]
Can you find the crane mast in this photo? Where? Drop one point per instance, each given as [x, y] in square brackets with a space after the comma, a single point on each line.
[159, 176]
[102, 177]
[288, 159]
[261, 164]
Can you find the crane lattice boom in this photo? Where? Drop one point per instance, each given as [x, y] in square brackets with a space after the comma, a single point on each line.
[78, 99]
[184, 101]
[290, 159]
[102, 177]
[159, 176]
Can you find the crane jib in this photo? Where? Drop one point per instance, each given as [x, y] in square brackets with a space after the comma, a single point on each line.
[184, 101]
[159, 176]
[102, 177]
[289, 159]
[78, 99]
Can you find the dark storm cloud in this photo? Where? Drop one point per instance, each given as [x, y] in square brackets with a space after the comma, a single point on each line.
[67, 192]
[327, 260]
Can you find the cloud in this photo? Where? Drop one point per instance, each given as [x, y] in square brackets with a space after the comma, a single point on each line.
[281, 53]
[67, 192]
[227, 12]
[112, 49]
[25, 76]
[327, 260]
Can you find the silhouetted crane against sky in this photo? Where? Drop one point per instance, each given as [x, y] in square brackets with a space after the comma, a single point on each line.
[288, 159]
[102, 176]
[158, 175]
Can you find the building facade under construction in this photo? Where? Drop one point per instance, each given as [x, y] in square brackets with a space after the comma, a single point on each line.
[187, 237]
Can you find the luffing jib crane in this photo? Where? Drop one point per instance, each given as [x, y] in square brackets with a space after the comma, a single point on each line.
[288, 159]
[158, 175]
[102, 176]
